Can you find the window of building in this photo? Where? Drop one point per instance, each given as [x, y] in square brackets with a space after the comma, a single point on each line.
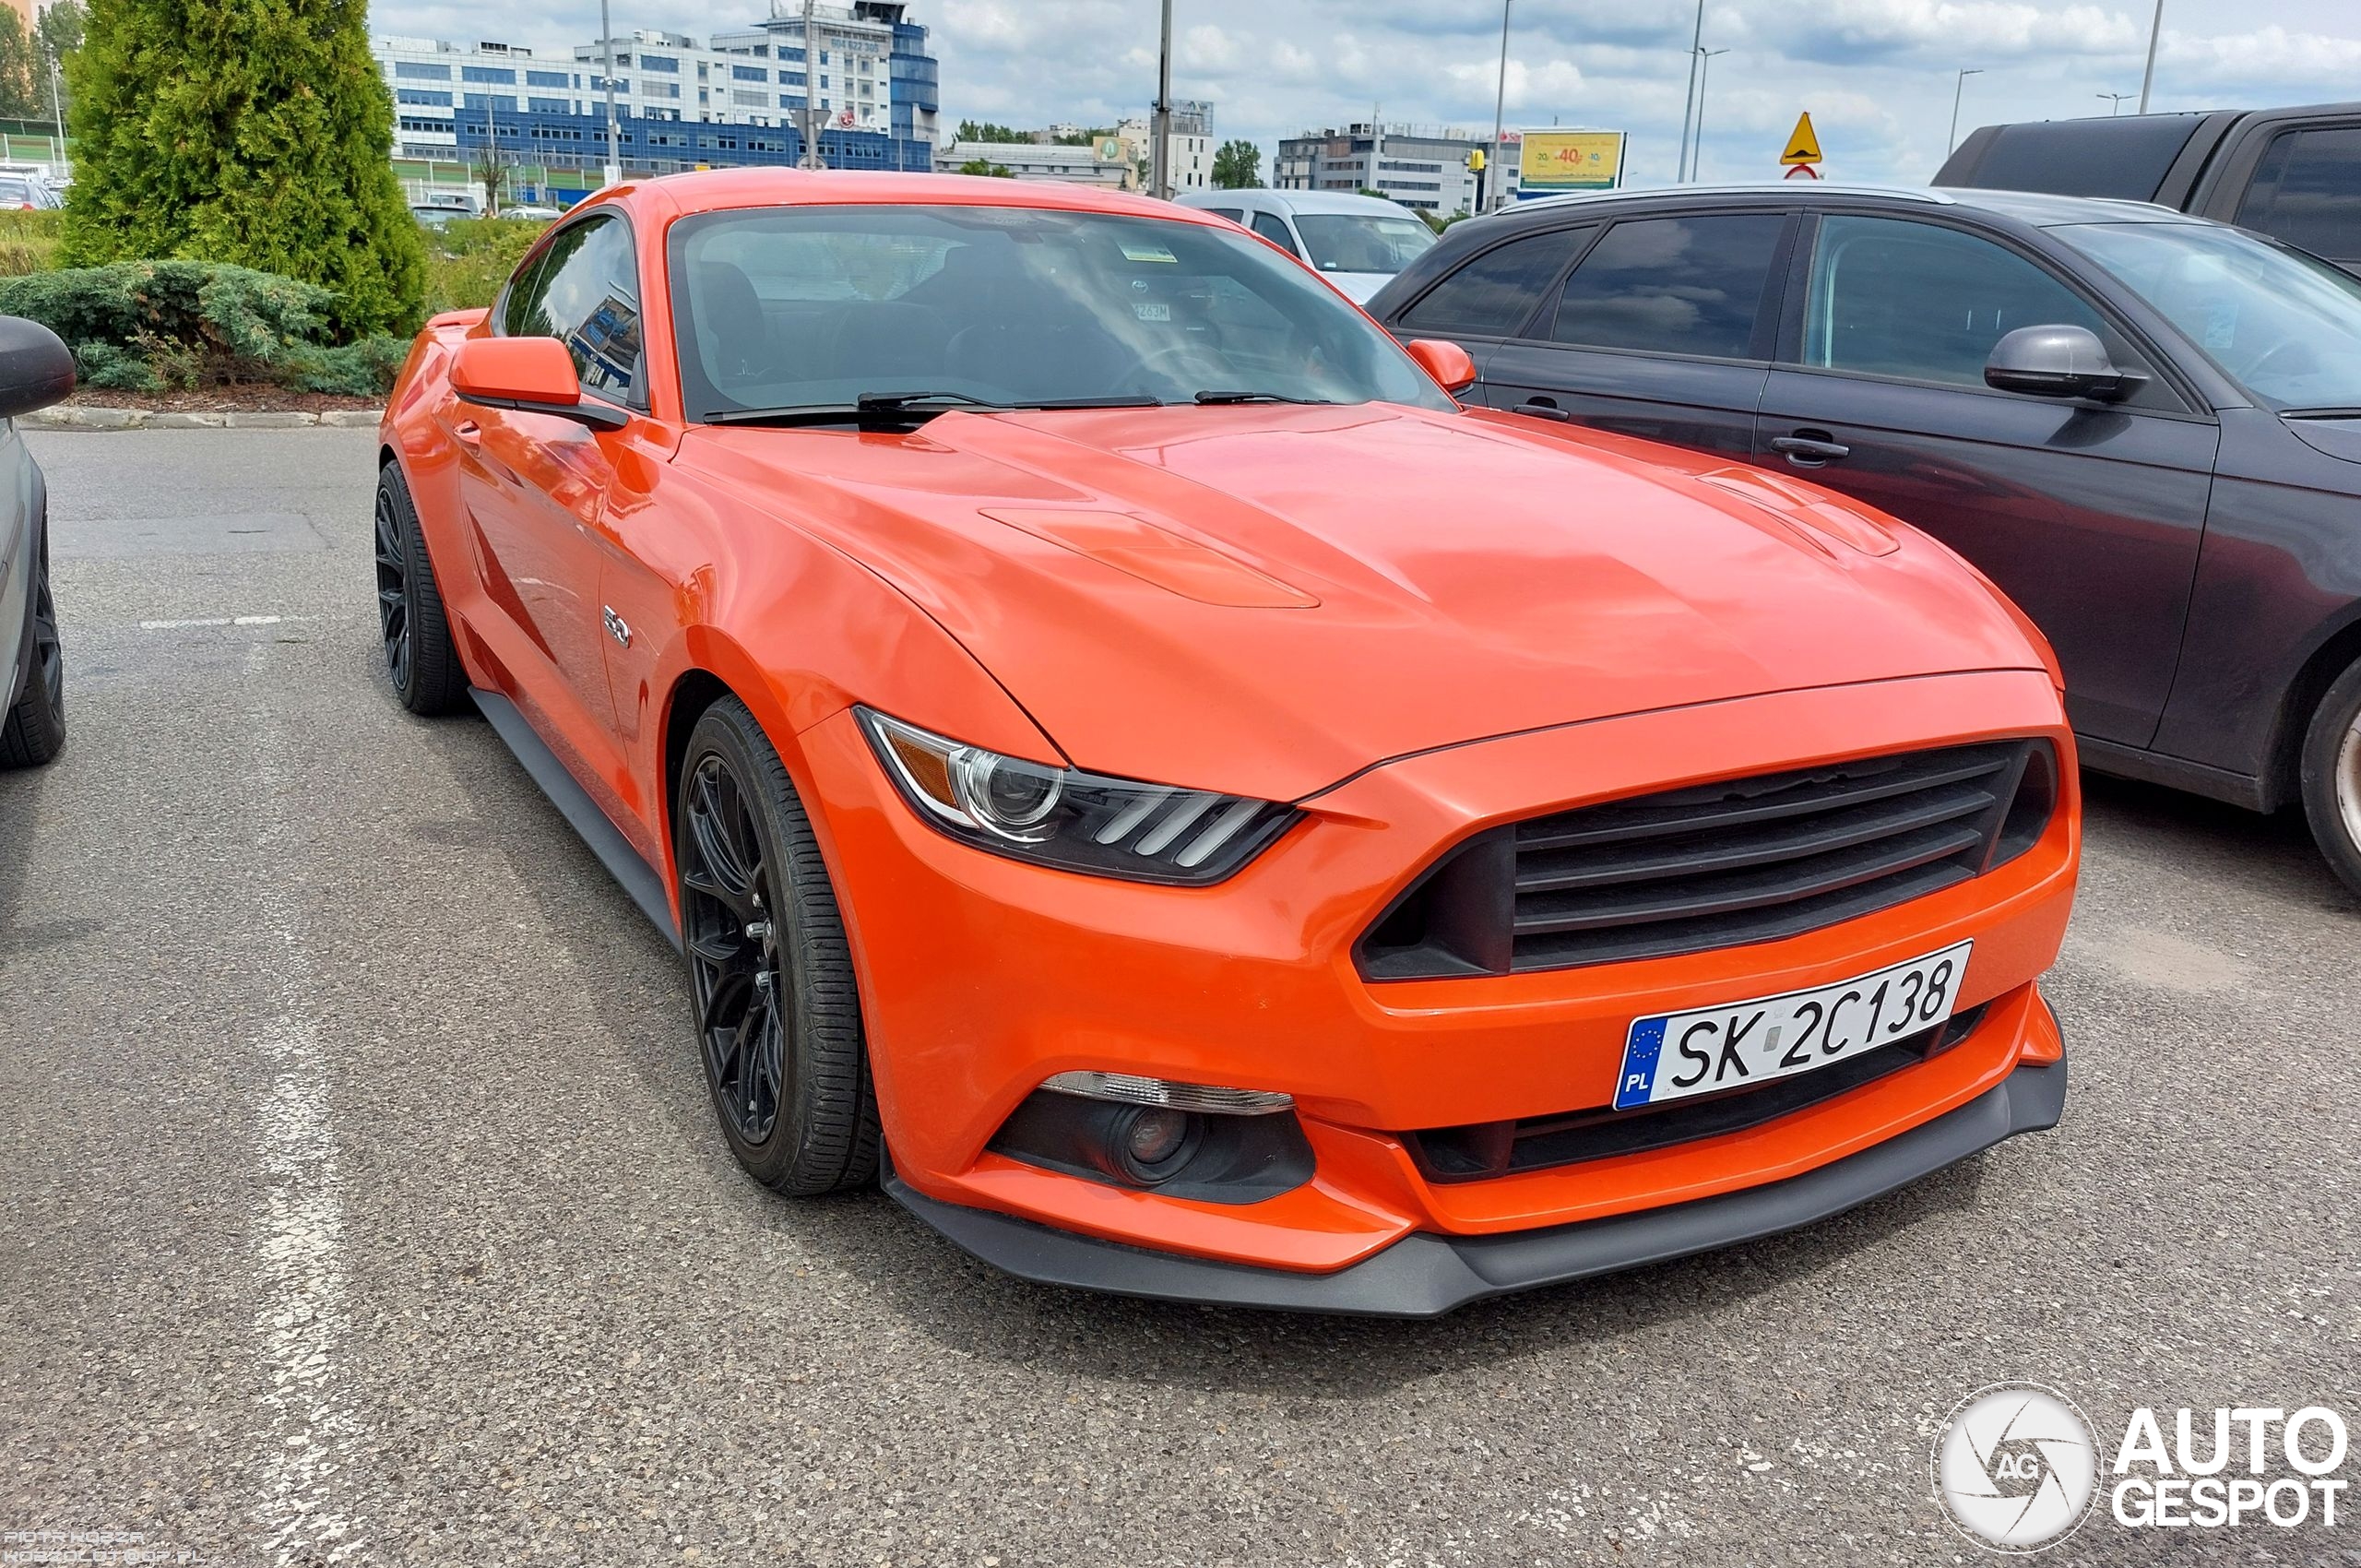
[419, 71]
[547, 78]
[410, 124]
[548, 106]
[491, 74]
[749, 73]
[745, 99]
[422, 97]
[1496, 292]
[659, 62]
[659, 90]
[792, 79]
[1672, 286]
[505, 102]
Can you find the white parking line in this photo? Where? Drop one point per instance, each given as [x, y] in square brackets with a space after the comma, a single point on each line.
[219, 621]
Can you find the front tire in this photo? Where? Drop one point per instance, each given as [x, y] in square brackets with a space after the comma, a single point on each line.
[770, 973]
[420, 657]
[2331, 777]
[33, 732]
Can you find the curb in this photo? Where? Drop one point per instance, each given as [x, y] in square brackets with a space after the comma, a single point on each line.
[73, 417]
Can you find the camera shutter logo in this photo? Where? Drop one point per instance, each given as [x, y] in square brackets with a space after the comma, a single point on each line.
[2016, 1466]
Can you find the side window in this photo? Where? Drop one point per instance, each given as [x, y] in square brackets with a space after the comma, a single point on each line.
[1892, 297]
[1235, 214]
[1271, 229]
[586, 295]
[522, 298]
[2308, 191]
[1673, 286]
[1495, 294]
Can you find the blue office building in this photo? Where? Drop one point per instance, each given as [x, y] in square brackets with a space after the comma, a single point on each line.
[737, 98]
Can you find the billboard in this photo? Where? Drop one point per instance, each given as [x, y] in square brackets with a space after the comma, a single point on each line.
[1552, 163]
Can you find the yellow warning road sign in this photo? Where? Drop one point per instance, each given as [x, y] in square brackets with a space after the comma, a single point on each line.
[1803, 143]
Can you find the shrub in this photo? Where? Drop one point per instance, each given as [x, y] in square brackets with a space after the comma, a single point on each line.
[247, 132]
[29, 241]
[470, 258]
[173, 325]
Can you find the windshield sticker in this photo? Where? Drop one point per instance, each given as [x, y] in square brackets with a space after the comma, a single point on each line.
[1147, 252]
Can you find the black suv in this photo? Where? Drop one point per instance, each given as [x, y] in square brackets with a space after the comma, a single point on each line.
[2144, 426]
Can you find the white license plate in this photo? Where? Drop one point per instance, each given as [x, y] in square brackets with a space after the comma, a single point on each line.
[1737, 1044]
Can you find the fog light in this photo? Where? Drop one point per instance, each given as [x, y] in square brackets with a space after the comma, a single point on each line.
[1150, 1143]
[1155, 1136]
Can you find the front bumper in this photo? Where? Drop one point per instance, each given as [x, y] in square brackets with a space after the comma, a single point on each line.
[1425, 1275]
[982, 977]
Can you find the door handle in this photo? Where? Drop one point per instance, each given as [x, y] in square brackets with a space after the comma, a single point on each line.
[1810, 448]
[1544, 409]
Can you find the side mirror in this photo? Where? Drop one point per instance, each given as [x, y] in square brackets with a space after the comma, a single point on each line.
[2058, 361]
[533, 375]
[1447, 362]
[36, 368]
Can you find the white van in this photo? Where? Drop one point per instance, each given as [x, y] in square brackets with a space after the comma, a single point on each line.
[1358, 243]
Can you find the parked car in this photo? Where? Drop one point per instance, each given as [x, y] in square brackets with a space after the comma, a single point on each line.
[2144, 427]
[27, 190]
[1103, 723]
[35, 371]
[1355, 242]
[432, 214]
[2292, 173]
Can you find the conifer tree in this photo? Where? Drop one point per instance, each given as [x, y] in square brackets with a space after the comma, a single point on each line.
[249, 131]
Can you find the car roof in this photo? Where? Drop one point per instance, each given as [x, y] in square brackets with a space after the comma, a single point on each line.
[711, 190]
[1297, 201]
[2026, 206]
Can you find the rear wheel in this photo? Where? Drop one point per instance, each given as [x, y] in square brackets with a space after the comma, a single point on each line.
[2331, 777]
[770, 973]
[34, 729]
[420, 657]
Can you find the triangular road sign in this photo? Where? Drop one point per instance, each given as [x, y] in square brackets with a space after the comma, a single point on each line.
[1803, 143]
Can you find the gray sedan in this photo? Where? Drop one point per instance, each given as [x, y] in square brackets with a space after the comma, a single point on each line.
[35, 371]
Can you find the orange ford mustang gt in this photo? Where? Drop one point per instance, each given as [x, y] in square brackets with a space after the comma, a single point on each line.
[1125, 756]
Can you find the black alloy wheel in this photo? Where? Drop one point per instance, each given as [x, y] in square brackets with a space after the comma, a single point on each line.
[776, 1004]
[728, 926]
[393, 588]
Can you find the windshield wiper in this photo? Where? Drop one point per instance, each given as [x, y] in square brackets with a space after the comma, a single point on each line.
[1217, 395]
[891, 406]
[866, 408]
[2322, 413]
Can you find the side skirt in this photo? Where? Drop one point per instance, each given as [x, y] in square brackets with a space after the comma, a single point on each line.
[582, 814]
[2154, 767]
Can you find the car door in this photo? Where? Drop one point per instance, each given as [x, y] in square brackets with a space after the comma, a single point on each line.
[537, 485]
[1663, 328]
[2089, 515]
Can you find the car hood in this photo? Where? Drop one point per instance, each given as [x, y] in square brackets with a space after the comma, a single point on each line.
[1264, 600]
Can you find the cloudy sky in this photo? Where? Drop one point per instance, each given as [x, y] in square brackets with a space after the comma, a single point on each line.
[1877, 75]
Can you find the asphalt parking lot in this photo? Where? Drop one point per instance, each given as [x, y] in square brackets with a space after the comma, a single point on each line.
[361, 1201]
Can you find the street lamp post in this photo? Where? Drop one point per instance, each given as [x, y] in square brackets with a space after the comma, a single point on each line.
[1499, 109]
[1160, 127]
[812, 158]
[1958, 88]
[2148, 76]
[2115, 101]
[1697, 147]
[1689, 104]
[614, 161]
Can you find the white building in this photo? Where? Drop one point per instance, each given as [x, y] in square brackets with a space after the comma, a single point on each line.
[1110, 161]
[1190, 141]
[1422, 168]
[875, 76]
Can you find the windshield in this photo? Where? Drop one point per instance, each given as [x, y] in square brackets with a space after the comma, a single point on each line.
[1351, 243]
[816, 307]
[2285, 327]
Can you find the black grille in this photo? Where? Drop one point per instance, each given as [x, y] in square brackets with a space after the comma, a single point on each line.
[1539, 1143]
[1747, 860]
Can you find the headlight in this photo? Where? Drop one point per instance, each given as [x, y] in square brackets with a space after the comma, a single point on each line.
[1059, 816]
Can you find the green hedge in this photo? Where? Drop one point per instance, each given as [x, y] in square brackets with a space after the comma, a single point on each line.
[175, 325]
[468, 258]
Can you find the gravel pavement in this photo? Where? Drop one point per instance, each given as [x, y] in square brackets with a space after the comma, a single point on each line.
[360, 1200]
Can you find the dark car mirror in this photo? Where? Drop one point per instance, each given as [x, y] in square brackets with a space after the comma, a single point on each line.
[2058, 361]
[36, 368]
[533, 375]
